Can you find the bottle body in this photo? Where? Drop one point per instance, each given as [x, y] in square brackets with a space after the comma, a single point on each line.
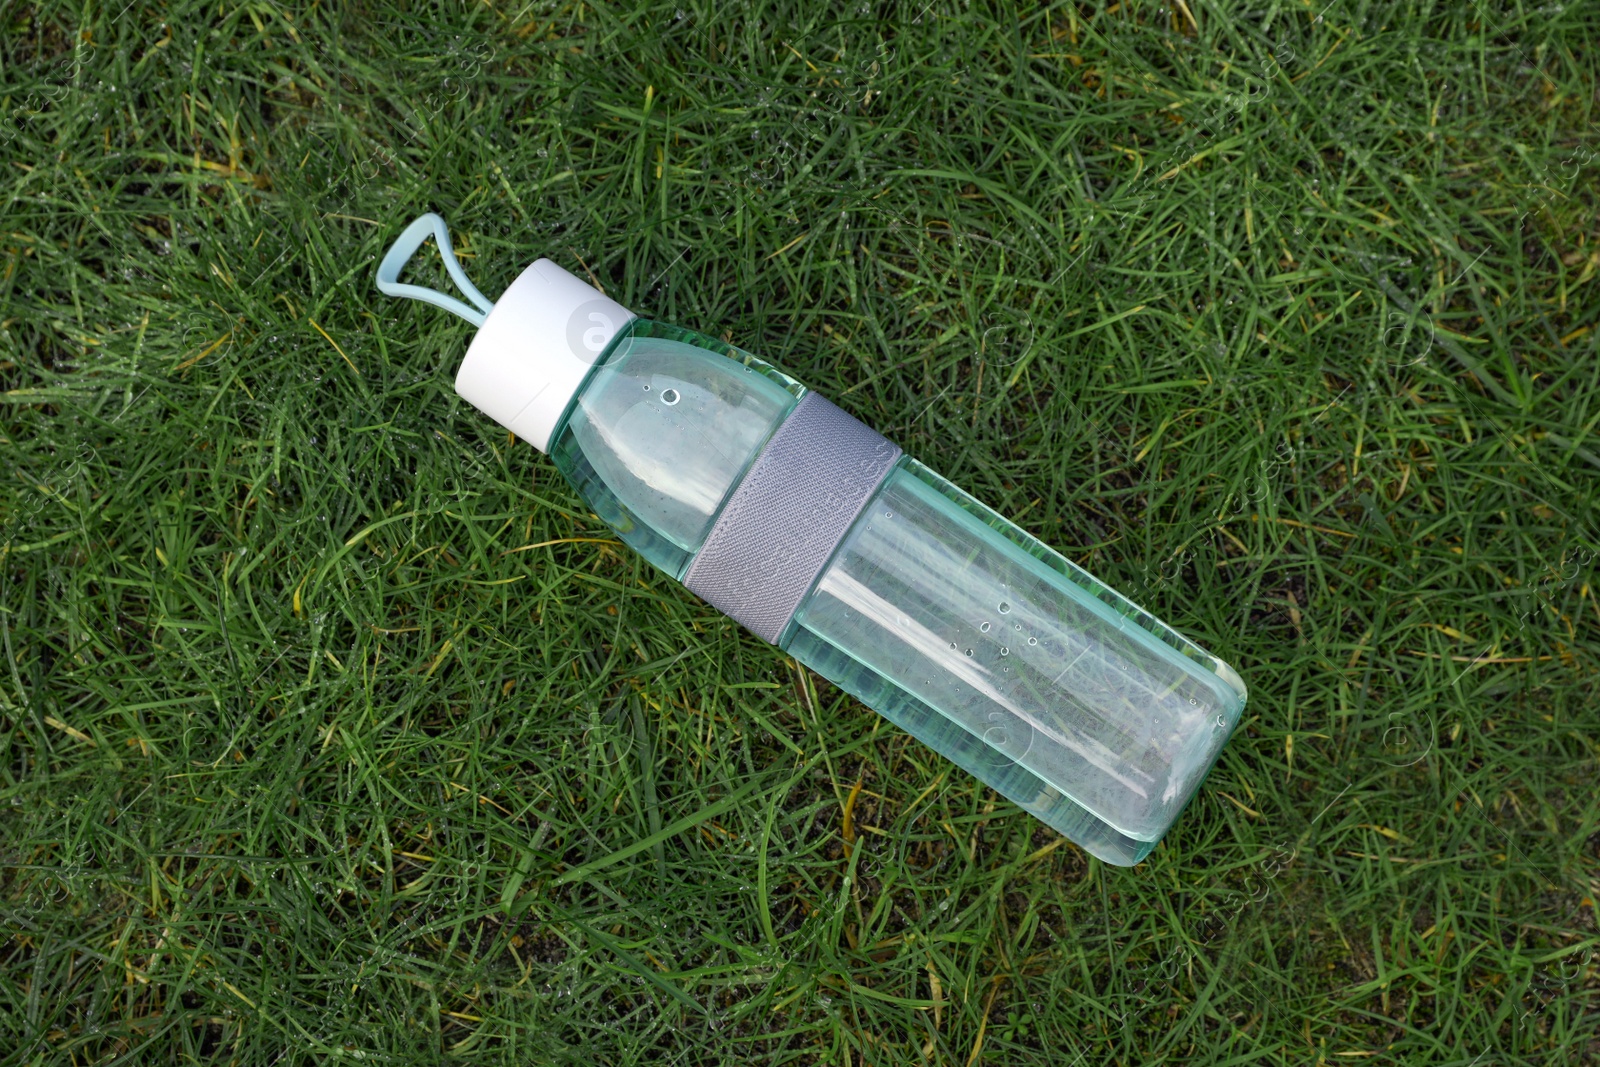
[941, 615]
[1017, 665]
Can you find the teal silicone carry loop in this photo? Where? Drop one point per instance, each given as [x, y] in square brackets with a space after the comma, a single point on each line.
[394, 260]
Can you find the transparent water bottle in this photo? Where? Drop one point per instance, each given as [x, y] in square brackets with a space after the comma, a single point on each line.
[820, 536]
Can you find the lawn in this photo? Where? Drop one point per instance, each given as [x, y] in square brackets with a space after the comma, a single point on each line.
[336, 728]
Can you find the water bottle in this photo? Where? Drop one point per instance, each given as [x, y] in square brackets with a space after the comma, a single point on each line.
[821, 536]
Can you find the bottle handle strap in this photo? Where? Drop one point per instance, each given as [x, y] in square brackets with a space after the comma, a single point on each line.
[406, 245]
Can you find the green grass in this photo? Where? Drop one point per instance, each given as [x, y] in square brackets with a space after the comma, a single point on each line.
[1285, 325]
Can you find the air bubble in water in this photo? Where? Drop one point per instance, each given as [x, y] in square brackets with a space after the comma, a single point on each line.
[669, 397]
[1004, 607]
[969, 651]
[1005, 651]
[984, 628]
[1033, 640]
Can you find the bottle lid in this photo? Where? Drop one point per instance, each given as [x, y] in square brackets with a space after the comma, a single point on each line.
[534, 350]
[534, 346]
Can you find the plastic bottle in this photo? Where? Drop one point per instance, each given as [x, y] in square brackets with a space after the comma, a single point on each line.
[821, 537]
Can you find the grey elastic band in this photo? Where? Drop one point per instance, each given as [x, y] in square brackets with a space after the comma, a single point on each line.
[788, 515]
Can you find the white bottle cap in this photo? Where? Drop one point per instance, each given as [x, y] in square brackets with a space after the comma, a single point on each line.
[535, 348]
